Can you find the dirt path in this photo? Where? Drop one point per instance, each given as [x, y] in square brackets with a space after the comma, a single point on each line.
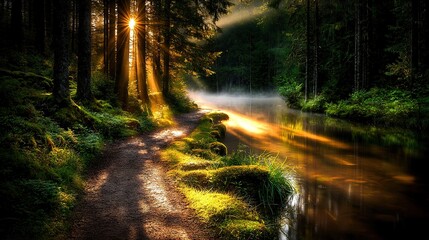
[131, 196]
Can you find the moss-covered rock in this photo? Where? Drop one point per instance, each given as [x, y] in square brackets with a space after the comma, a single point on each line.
[221, 129]
[246, 181]
[218, 148]
[217, 116]
[245, 229]
[215, 134]
[203, 153]
[196, 178]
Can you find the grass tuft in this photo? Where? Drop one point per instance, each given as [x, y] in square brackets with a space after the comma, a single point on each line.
[240, 194]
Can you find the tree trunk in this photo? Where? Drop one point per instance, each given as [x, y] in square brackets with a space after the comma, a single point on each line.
[156, 42]
[316, 47]
[167, 43]
[39, 23]
[16, 24]
[365, 43]
[74, 25]
[415, 40]
[308, 50]
[357, 61]
[84, 54]
[61, 44]
[141, 51]
[49, 23]
[123, 46]
[112, 47]
[424, 36]
[105, 36]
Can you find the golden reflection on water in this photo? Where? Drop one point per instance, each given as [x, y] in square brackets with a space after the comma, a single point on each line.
[340, 181]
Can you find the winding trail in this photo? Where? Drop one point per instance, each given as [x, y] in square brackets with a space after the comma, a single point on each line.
[130, 195]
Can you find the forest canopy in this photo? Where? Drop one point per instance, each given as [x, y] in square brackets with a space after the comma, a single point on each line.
[363, 60]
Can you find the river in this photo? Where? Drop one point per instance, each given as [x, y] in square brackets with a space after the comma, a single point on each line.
[353, 181]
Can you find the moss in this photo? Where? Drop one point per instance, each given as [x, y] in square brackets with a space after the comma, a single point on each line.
[203, 153]
[217, 116]
[245, 229]
[196, 178]
[218, 148]
[215, 134]
[215, 207]
[244, 180]
[221, 128]
[234, 193]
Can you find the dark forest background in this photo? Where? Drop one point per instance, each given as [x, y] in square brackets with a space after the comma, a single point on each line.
[364, 60]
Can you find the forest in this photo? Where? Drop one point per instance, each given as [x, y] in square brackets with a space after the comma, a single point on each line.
[361, 60]
[78, 75]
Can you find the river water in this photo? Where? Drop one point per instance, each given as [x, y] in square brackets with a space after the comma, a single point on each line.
[353, 181]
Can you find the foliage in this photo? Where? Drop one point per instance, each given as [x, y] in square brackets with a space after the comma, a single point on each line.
[377, 106]
[45, 150]
[270, 51]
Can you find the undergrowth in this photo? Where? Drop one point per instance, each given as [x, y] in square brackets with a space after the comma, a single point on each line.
[45, 150]
[240, 194]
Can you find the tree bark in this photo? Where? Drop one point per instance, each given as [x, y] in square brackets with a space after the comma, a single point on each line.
[167, 45]
[112, 47]
[16, 24]
[123, 42]
[61, 44]
[49, 23]
[105, 36]
[358, 34]
[84, 54]
[415, 40]
[39, 23]
[74, 25]
[316, 48]
[141, 51]
[308, 49]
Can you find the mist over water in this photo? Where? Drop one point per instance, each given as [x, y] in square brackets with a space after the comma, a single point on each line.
[354, 181]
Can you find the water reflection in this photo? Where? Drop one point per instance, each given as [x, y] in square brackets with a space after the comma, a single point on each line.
[355, 181]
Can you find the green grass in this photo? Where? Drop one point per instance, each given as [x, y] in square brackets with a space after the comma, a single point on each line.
[45, 150]
[241, 195]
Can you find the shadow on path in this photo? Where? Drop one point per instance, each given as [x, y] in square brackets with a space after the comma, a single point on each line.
[131, 197]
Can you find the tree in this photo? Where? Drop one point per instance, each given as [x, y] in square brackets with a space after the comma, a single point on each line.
[361, 68]
[316, 47]
[16, 23]
[84, 51]
[39, 24]
[106, 36]
[415, 39]
[167, 43]
[123, 42]
[111, 44]
[308, 49]
[142, 87]
[61, 45]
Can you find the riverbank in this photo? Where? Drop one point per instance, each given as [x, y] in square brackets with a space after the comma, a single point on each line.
[239, 194]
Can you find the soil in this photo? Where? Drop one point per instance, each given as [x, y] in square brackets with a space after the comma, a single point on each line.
[131, 196]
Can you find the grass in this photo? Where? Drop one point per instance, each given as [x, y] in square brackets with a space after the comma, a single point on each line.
[241, 195]
[45, 150]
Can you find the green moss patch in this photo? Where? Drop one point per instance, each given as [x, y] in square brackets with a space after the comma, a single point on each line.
[239, 194]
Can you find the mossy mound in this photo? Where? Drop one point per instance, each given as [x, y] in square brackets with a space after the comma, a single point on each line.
[218, 148]
[234, 194]
[217, 116]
